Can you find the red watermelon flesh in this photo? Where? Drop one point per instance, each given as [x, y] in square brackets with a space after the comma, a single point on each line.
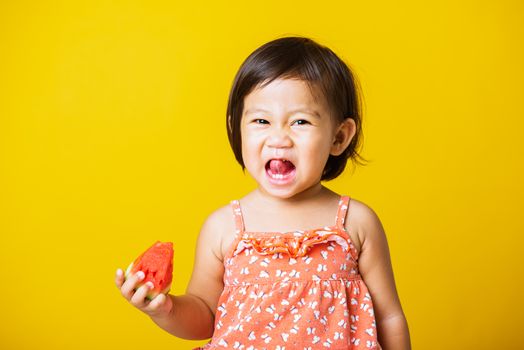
[157, 265]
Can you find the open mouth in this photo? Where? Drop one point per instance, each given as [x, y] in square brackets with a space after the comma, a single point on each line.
[280, 170]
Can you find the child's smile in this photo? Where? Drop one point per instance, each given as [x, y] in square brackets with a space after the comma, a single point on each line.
[287, 137]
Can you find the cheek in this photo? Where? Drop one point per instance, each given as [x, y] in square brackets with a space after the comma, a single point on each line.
[316, 149]
[251, 140]
[250, 147]
[318, 142]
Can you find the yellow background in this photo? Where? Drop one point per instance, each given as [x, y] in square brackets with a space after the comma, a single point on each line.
[112, 136]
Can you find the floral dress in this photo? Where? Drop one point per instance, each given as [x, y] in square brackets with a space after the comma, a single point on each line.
[293, 290]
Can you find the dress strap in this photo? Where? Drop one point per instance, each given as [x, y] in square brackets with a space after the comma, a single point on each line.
[343, 204]
[239, 221]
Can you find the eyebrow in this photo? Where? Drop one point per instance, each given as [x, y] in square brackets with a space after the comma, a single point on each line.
[296, 110]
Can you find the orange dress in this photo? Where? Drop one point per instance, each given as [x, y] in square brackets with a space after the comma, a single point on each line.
[293, 290]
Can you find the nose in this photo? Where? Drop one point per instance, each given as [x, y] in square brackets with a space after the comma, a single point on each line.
[279, 138]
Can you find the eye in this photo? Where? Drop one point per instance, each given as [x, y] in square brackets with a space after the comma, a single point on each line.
[260, 121]
[301, 122]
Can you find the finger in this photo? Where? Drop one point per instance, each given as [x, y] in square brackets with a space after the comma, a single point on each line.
[119, 279]
[157, 302]
[129, 285]
[139, 298]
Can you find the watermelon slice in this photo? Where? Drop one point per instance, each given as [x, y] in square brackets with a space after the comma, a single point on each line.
[157, 265]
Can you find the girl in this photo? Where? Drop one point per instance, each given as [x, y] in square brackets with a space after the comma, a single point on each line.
[292, 264]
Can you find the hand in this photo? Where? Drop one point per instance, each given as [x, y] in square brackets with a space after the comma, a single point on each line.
[160, 306]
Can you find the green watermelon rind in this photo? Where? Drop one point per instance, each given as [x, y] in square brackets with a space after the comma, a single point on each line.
[150, 296]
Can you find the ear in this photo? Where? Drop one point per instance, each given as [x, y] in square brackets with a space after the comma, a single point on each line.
[343, 136]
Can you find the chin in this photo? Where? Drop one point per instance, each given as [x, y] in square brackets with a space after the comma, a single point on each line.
[284, 192]
[281, 194]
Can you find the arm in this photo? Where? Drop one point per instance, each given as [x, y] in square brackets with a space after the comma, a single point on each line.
[192, 314]
[190, 318]
[377, 272]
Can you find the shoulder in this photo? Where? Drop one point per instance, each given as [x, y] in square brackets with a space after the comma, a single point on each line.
[217, 229]
[374, 262]
[219, 217]
[208, 271]
[363, 221]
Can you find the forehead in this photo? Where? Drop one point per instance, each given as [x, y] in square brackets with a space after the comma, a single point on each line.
[285, 95]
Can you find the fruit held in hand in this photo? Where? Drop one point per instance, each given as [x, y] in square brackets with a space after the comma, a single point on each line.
[157, 265]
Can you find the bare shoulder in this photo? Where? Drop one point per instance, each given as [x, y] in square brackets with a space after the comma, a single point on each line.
[363, 221]
[218, 229]
[206, 280]
[374, 264]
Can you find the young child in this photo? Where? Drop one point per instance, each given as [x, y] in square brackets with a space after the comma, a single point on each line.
[292, 264]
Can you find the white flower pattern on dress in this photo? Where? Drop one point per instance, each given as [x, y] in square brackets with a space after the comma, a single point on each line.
[294, 290]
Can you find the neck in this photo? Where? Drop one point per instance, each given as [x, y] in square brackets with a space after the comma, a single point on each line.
[311, 194]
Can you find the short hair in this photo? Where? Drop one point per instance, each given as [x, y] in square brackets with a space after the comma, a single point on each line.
[301, 58]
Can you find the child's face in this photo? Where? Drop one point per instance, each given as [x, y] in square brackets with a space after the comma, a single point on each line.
[285, 144]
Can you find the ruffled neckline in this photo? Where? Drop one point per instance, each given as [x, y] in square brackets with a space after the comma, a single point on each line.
[294, 243]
